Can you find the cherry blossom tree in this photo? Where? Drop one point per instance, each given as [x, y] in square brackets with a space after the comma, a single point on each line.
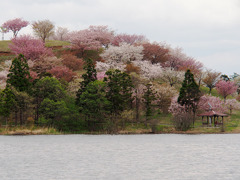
[155, 52]
[164, 94]
[226, 88]
[192, 64]
[216, 103]
[15, 25]
[176, 108]
[30, 47]
[129, 39]
[105, 66]
[171, 76]
[148, 70]
[102, 34]
[232, 104]
[175, 58]
[83, 40]
[123, 53]
[61, 34]
[62, 72]
[45, 63]
[33, 75]
[211, 78]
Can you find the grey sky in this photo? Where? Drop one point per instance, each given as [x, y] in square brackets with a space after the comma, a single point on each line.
[207, 30]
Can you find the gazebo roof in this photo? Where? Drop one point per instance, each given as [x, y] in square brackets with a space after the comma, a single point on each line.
[212, 113]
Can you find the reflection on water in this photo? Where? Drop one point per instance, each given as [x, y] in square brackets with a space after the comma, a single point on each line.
[120, 157]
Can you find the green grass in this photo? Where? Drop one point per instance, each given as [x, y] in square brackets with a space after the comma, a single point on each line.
[4, 58]
[205, 90]
[4, 46]
[51, 43]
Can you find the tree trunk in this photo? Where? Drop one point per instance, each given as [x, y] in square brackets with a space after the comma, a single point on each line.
[16, 118]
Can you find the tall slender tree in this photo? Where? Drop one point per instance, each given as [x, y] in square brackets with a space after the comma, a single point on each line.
[148, 98]
[189, 94]
[89, 76]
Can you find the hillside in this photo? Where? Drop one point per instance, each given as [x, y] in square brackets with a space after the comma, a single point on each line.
[65, 62]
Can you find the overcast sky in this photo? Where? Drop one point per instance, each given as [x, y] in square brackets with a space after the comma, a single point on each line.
[208, 30]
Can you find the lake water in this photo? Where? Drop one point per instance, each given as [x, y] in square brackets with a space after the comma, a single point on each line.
[77, 157]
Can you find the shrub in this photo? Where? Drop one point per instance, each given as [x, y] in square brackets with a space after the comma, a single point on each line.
[182, 121]
[72, 62]
[62, 72]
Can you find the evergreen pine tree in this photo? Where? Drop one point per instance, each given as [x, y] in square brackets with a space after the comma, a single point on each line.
[7, 102]
[119, 94]
[89, 76]
[189, 93]
[19, 76]
[148, 98]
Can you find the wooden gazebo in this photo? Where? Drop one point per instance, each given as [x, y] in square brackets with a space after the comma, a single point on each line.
[212, 118]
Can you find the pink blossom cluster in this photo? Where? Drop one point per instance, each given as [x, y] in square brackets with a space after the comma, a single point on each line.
[226, 88]
[15, 25]
[30, 47]
[216, 104]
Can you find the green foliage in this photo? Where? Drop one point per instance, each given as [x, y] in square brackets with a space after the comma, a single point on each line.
[189, 93]
[49, 87]
[93, 102]
[119, 90]
[19, 76]
[205, 90]
[7, 102]
[89, 76]
[148, 98]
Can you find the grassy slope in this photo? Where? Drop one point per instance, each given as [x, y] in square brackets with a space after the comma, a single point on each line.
[4, 46]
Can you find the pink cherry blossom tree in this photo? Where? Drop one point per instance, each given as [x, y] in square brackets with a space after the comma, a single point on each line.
[129, 39]
[226, 88]
[216, 103]
[102, 34]
[15, 25]
[30, 47]
[192, 64]
[175, 108]
[83, 40]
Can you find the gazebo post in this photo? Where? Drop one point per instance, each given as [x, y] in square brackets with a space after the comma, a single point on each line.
[214, 117]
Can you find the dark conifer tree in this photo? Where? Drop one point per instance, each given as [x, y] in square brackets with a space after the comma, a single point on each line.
[19, 76]
[148, 98]
[189, 93]
[89, 76]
